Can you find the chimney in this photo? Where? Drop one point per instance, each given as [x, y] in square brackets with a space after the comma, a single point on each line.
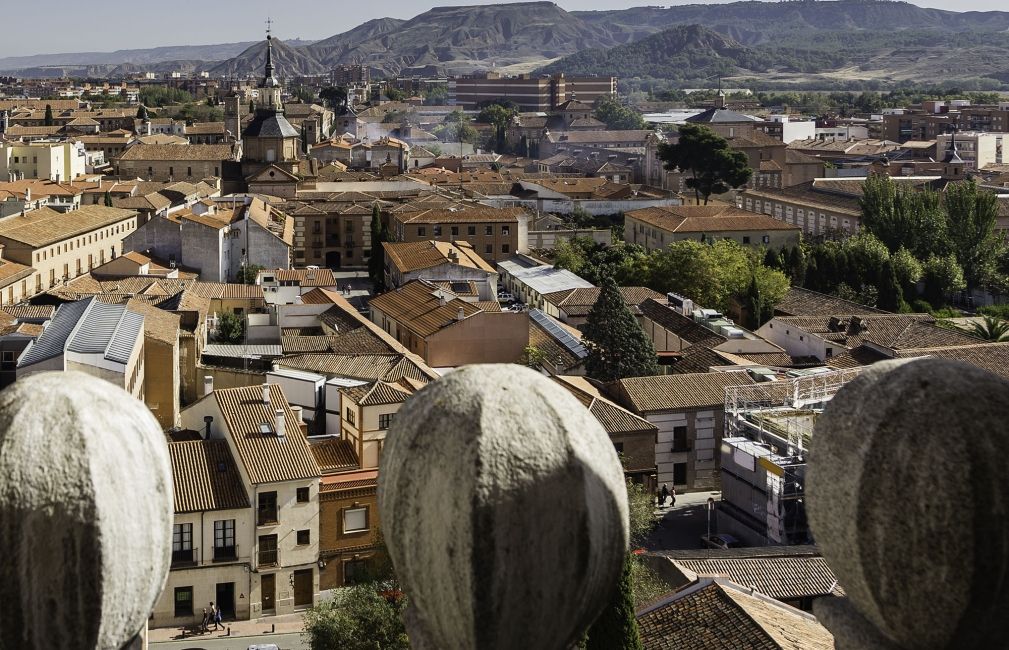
[207, 420]
[266, 394]
[208, 384]
[297, 413]
[279, 423]
[461, 315]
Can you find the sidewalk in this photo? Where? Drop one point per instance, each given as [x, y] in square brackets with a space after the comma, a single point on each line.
[284, 624]
[681, 526]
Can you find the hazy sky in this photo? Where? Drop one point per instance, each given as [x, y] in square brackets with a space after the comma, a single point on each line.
[120, 24]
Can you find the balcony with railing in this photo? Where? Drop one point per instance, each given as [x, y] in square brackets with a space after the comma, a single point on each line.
[185, 557]
[226, 553]
[268, 557]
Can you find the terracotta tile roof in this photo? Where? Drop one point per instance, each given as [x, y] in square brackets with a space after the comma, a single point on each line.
[358, 341]
[613, 418]
[587, 137]
[378, 393]
[318, 296]
[30, 312]
[267, 458]
[417, 306]
[180, 152]
[205, 477]
[335, 455]
[11, 272]
[479, 214]
[895, 331]
[366, 367]
[159, 325]
[805, 195]
[417, 256]
[222, 290]
[717, 613]
[677, 392]
[44, 226]
[701, 357]
[306, 277]
[773, 359]
[803, 302]
[706, 219]
[783, 577]
[361, 482]
[205, 128]
[668, 318]
[578, 302]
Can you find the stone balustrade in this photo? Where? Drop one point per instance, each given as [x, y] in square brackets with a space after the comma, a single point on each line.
[504, 508]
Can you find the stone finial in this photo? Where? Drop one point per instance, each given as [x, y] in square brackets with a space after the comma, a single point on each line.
[85, 513]
[909, 503]
[504, 509]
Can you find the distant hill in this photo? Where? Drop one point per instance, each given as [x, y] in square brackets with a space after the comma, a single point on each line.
[810, 41]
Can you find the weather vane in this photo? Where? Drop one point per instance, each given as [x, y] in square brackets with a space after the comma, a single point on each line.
[269, 25]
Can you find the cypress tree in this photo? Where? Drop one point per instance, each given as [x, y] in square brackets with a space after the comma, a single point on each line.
[617, 628]
[108, 199]
[754, 304]
[618, 347]
[772, 260]
[890, 293]
[797, 266]
[48, 119]
[376, 264]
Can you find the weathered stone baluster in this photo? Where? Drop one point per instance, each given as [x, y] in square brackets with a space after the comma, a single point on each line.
[85, 514]
[504, 509]
[909, 503]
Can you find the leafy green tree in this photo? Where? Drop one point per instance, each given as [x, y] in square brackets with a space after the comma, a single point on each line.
[796, 265]
[360, 617]
[618, 347]
[436, 95]
[142, 113]
[48, 119]
[616, 116]
[991, 329]
[909, 271]
[533, 357]
[230, 328]
[617, 628]
[943, 276]
[248, 274]
[376, 263]
[335, 96]
[570, 254]
[499, 117]
[457, 128]
[714, 167]
[395, 94]
[890, 294]
[972, 214]
[899, 215]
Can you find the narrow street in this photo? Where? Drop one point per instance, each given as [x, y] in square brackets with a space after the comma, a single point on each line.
[681, 526]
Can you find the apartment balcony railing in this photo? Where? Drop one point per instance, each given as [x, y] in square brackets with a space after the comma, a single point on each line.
[226, 553]
[185, 557]
[268, 557]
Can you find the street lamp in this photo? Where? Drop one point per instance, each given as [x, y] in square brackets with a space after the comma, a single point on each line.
[711, 506]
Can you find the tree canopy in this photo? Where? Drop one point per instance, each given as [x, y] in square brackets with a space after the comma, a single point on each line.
[714, 167]
[618, 347]
[617, 116]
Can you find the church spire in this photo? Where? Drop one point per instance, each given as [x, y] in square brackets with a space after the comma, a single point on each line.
[269, 80]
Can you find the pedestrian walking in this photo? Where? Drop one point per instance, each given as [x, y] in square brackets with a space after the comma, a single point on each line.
[672, 494]
[665, 495]
[215, 616]
[206, 619]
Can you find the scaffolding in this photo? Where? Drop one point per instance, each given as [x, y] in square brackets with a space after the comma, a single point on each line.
[784, 411]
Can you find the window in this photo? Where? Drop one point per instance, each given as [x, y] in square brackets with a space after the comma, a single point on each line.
[267, 512]
[506, 230]
[746, 239]
[421, 231]
[504, 248]
[349, 416]
[183, 601]
[354, 571]
[437, 231]
[268, 550]
[224, 539]
[355, 520]
[766, 239]
[488, 230]
[385, 420]
[680, 439]
[304, 537]
[619, 446]
[8, 356]
[182, 543]
[455, 231]
[470, 230]
[303, 495]
[489, 249]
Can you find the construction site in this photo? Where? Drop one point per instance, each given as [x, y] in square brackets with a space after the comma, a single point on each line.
[768, 429]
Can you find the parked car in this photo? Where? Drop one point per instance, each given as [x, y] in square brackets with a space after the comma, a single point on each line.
[504, 296]
[723, 541]
[264, 646]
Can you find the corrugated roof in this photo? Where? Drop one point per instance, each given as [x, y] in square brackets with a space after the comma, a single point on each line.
[267, 458]
[87, 327]
[205, 477]
[335, 455]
